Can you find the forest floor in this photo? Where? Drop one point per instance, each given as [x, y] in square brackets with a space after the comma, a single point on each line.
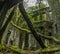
[7, 53]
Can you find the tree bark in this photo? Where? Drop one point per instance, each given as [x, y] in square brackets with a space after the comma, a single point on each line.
[6, 24]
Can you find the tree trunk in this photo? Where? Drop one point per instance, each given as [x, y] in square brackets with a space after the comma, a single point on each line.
[2, 30]
[22, 10]
[21, 39]
[26, 41]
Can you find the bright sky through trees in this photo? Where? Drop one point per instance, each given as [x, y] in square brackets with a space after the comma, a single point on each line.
[33, 2]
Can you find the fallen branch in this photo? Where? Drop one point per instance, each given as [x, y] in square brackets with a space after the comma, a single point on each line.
[18, 27]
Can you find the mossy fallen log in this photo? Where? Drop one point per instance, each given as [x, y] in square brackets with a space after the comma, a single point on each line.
[18, 50]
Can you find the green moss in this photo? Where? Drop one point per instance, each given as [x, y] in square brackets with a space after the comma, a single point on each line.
[2, 47]
[14, 48]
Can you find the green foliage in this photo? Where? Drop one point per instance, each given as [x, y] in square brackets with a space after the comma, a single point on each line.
[34, 13]
[42, 6]
[2, 47]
